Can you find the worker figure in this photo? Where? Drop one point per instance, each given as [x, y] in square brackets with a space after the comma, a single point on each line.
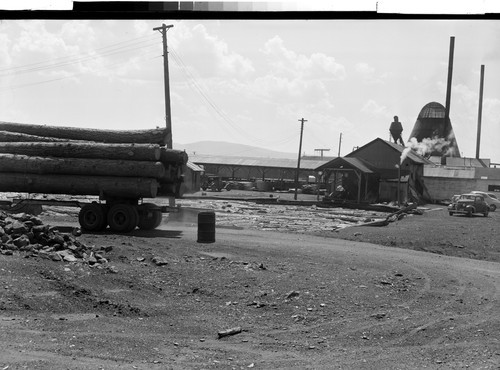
[396, 129]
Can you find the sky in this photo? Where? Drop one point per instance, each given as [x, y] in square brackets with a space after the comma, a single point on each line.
[252, 81]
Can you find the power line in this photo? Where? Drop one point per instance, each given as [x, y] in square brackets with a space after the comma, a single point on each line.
[76, 54]
[30, 84]
[76, 58]
[191, 78]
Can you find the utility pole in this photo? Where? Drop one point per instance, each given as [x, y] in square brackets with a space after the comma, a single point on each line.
[480, 112]
[163, 30]
[302, 120]
[321, 151]
[340, 143]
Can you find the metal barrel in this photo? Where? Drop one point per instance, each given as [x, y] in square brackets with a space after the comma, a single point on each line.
[206, 227]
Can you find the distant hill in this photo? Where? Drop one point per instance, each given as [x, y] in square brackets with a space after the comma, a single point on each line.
[222, 148]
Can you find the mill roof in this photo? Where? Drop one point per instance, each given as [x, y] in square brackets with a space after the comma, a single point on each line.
[256, 161]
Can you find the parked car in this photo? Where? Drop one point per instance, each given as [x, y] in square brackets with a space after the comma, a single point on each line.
[454, 198]
[469, 204]
[489, 198]
[212, 182]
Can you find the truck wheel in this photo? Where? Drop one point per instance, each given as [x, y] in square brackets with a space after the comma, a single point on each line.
[150, 216]
[123, 218]
[92, 217]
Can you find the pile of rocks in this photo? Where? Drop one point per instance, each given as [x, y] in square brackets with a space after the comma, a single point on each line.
[25, 234]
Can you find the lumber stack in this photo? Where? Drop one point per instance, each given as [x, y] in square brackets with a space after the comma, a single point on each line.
[78, 161]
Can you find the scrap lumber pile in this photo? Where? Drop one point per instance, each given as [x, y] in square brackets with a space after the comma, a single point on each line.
[80, 161]
[25, 234]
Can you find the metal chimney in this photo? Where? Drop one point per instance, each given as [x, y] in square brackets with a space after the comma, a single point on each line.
[448, 86]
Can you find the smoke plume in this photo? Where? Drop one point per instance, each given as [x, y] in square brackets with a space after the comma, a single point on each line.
[427, 146]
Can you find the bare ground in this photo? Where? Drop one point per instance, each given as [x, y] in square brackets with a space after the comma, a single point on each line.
[425, 294]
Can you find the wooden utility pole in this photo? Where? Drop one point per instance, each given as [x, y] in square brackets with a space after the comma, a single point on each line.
[321, 151]
[340, 142]
[480, 112]
[163, 30]
[302, 120]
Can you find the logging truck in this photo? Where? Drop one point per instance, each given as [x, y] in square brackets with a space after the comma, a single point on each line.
[121, 167]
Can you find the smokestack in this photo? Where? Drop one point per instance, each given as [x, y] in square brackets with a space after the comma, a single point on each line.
[480, 112]
[448, 86]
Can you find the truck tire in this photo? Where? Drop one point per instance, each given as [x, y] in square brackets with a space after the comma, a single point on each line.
[150, 216]
[123, 218]
[92, 217]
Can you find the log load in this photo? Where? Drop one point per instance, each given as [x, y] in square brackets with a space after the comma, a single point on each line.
[106, 186]
[151, 136]
[138, 152]
[82, 166]
[49, 159]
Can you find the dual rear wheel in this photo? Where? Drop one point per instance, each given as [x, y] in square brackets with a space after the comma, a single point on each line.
[150, 216]
[92, 217]
[121, 217]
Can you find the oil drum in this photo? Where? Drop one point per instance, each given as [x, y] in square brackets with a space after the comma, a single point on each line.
[206, 227]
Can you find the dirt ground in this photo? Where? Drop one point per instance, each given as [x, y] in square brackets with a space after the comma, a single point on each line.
[422, 292]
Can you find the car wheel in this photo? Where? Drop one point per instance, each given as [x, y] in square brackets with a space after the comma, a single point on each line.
[485, 214]
[493, 207]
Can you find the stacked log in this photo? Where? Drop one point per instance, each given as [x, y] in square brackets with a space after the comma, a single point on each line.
[77, 161]
[6, 136]
[155, 136]
[80, 166]
[140, 152]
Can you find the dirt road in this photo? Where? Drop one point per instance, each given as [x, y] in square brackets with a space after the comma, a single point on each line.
[301, 301]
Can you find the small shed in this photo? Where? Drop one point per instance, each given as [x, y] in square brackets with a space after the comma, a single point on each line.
[351, 179]
[192, 178]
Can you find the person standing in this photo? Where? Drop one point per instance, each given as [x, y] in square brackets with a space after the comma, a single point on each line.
[396, 129]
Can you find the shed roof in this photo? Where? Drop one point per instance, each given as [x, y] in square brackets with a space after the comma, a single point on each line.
[412, 155]
[194, 167]
[356, 163]
[305, 164]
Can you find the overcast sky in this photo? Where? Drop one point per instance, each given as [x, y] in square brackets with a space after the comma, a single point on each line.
[250, 81]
